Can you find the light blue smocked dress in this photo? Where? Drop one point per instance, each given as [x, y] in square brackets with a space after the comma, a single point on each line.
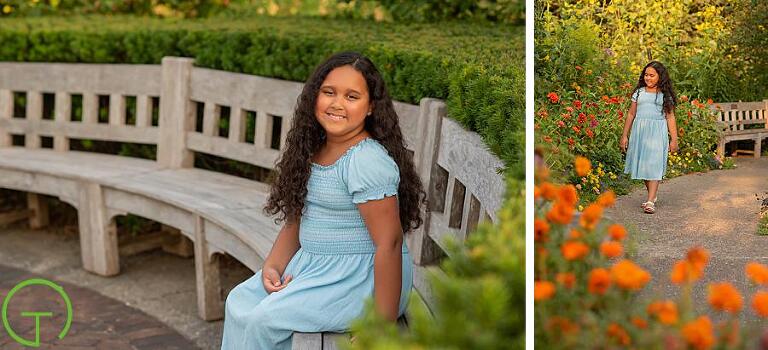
[649, 138]
[333, 269]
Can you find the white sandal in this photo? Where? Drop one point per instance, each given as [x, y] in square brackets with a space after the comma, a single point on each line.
[649, 207]
[654, 201]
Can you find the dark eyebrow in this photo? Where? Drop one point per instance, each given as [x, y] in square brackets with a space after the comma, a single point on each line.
[332, 87]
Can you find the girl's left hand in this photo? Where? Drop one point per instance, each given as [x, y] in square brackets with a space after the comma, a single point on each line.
[673, 146]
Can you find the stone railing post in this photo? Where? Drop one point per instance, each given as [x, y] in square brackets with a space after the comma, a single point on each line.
[431, 113]
[176, 117]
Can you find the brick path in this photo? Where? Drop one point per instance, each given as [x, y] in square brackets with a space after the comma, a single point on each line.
[98, 322]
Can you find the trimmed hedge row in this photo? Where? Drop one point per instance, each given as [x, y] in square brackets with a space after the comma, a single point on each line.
[478, 69]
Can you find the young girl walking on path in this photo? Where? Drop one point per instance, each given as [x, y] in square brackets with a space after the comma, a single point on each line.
[654, 132]
[347, 191]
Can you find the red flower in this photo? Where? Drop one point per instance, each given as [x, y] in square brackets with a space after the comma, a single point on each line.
[576, 129]
[590, 133]
[561, 124]
[547, 139]
[582, 118]
[553, 97]
[571, 141]
[577, 104]
[569, 109]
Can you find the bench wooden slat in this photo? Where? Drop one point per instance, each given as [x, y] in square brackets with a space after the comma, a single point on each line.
[307, 341]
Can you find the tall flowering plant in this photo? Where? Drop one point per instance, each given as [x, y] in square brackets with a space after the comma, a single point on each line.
[587, 288]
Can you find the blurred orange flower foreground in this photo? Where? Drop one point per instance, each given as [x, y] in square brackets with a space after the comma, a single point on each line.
[587, 291]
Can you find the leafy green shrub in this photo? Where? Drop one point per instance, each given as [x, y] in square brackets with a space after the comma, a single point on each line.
[466, 65]
[480, 299]
[160, 8]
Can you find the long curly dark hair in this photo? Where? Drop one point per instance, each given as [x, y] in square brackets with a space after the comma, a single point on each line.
[307, 136]
[664, 84]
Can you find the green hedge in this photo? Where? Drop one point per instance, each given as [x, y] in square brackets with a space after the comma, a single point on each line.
[477, 68]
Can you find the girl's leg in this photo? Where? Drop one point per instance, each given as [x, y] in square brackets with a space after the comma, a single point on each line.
[653, 187]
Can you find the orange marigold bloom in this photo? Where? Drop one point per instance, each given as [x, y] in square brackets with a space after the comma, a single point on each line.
[590, 216]
[574, 250]
[639, 322]
[568, 279]
[582, 166]
[611, 249]
[536, 192]
[560, 213]
[698, 257]
[685, 272]
[543, 290]
[562, 324]
[548, 191]
[540, 230]
[664, 310]
[618, 334]
[607, 199]
[757, 272]
[628, 275]
[617, 232]
[698, 333]
[599, 281]
[575, 234]
[567, 194]
[725, 297]
[760, 303]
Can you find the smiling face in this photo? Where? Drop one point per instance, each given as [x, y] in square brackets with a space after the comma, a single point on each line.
[651, 77]
[343, 103]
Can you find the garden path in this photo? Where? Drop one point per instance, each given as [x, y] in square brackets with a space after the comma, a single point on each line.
[717, 210]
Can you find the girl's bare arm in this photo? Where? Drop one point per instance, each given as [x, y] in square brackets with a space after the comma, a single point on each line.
[672, 126]
[630, 119]
[286, 245]
[382, 218]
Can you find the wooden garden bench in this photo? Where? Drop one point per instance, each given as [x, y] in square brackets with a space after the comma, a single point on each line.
[215, 212]
[742, 121]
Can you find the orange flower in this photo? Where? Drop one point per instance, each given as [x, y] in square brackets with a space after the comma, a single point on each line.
[760, 303]
[599, 281]
[617, 232]
[574, 250]
[582, 166]
[698, 257]
[724, 297]
[548, 191]
[757, 272]
[575, 234]
[562, 324]
[567, 194]
[618, 334]
[590, 216]
[560, 213]
[607, 199]
[639, 322]
[611, 249]
[698, 333]
[543, 290]
[568, 279]
[540, 230]
[664, 310]
[536, 193]
[684, 272]
[553, 97]
[629, 276]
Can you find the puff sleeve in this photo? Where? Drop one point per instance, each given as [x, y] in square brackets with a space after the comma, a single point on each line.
[635, 95]
[372, 175]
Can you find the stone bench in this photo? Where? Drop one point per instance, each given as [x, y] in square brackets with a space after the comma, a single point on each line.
[742, 121]
[217, 213]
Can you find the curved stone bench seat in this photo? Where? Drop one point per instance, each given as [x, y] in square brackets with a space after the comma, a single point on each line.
[225, 210]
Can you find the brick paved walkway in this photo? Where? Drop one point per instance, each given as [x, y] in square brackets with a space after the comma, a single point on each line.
[98, 322]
